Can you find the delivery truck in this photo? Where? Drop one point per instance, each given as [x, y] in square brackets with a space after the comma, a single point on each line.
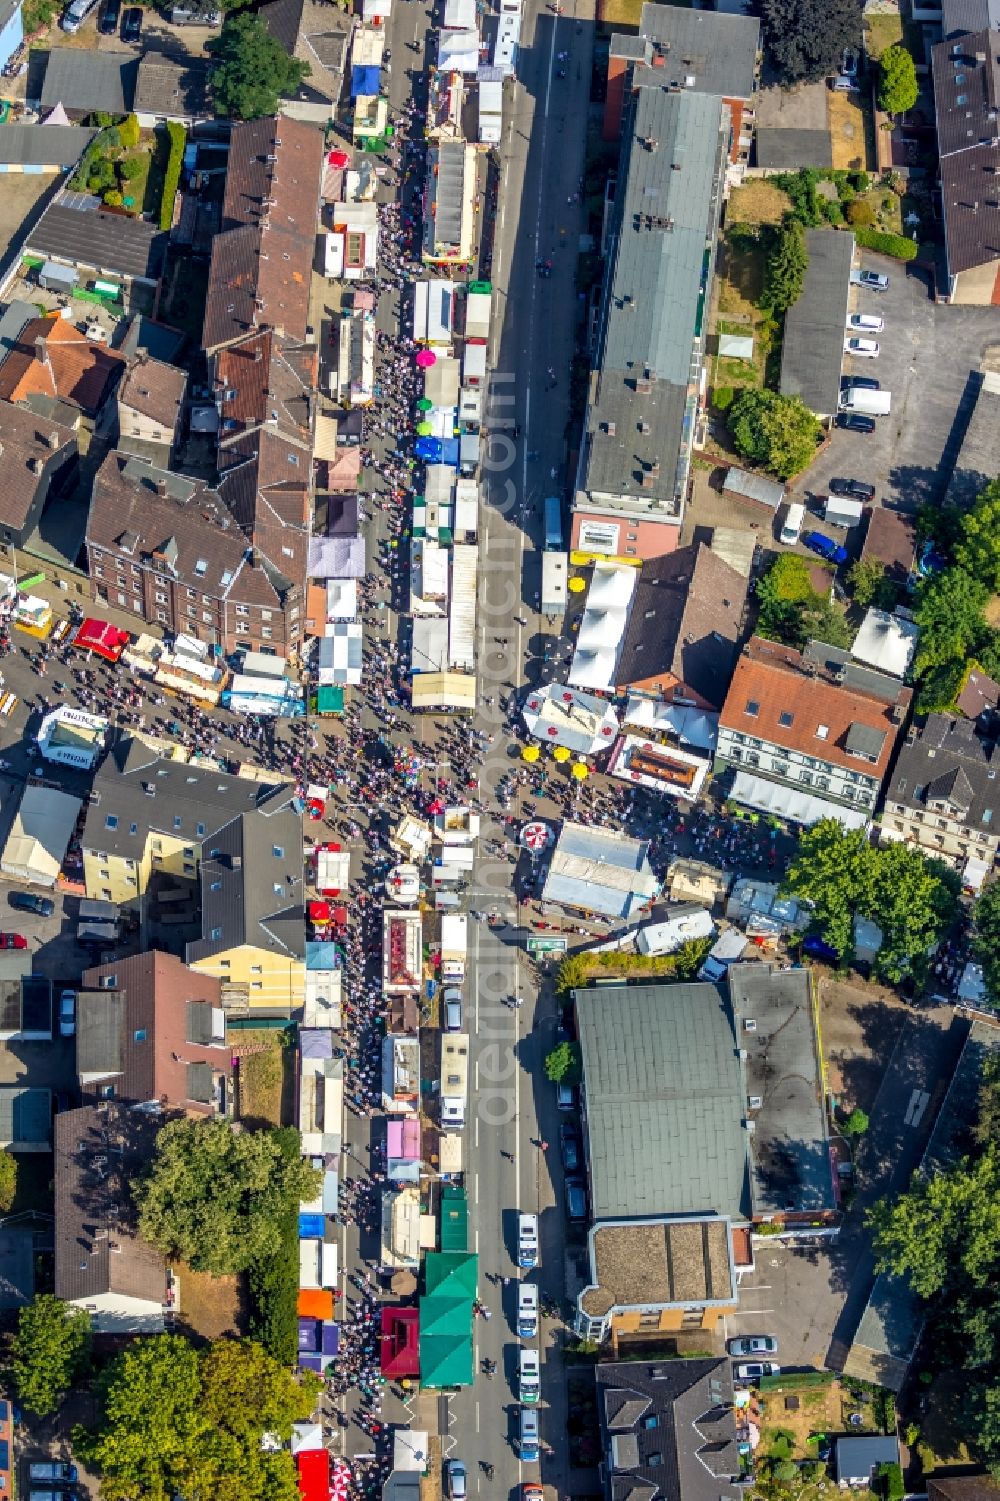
[552, 517]
[454, 945]
[454, 1080]
[861, 399]
[555, 570]
[841, 512]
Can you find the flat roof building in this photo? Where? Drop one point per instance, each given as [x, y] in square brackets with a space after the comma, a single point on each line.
[812, 350]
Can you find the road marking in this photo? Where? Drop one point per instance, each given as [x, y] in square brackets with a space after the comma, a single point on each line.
[475, 1190]
[477, 1117]
[477, 1417]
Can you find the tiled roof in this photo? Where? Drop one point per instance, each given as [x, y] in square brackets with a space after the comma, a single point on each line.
[818, 711]
[966, 99]
[53, 358]
[171, 87]
[155, 390]
[668, 1429]
[947, 761]
[261, 267]
[76, 229]
[25, 441]
[317, 34]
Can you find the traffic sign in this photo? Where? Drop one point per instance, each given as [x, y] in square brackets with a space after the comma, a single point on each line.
[547, 945]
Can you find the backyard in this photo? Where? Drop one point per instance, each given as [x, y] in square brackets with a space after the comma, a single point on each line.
[264, 1077]
[798, 1417]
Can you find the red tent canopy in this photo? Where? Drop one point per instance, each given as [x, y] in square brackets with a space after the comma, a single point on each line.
[102, 637]
[400, 1344]
[314, 1474]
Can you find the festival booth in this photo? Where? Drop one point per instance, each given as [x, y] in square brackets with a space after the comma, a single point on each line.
[102, 638]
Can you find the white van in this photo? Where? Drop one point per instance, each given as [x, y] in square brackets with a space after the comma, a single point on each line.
[792, 528]
[527, 1310]
[74, 15]
[529, 1376]
[527, 1240]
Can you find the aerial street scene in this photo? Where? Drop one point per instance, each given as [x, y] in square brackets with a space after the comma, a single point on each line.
[499, 748]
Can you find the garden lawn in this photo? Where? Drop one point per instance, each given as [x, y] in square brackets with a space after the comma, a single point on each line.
[882, 32]
[758, 201]
[262, 1088]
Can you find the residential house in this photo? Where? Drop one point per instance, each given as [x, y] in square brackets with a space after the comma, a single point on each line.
[810, 734]
[11, 30]
[684, 625]
[148, 1029]
[891, 539]
[53, 359]
[668, 1429]
[76, 231]
[812, 349]
[793, 129]
[966, 99]
[42, 149]
[701, 50]
[963, 1488]
[36, 460]
[169, 88]
[150, 399]
[101, 1263]
[639, 427]
[978, 696]
[164, 546]
[856, 1460]
[319, 35]
[87, 82]
[943, 794]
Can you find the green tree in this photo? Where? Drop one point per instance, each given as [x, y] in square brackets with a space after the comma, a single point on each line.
[806, 38]
[253, 71]
[856, 1124]
[986, 938]
[870, 586]
[977, 547]
[786, 268]
[833, 868]
[215, 1197]
[777, 432]
[562, 1064]
[129, 133]
[914, 901]
[897, 82]
[949, 612]
[791, 609]
[891, 1485]
[8, 1181]
[572, 974]
[941, 1233]
[246, 1390]
[50, 1350]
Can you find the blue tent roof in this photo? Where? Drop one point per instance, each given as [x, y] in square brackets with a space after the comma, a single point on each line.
[364, 80]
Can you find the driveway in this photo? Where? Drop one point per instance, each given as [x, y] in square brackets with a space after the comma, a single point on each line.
[929, 355]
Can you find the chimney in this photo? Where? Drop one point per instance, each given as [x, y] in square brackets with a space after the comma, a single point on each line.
[41, 350]
[161, 487]
[37, 465]
[53, 440]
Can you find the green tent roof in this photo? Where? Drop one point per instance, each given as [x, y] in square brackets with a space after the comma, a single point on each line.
[446, 1349]
[454, 1219]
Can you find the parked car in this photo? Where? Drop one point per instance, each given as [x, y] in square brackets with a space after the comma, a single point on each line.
[13, 941]
[74, 15]
[67, 1013]
[875, 281]
[860, 383]
[826, 547]
[30, 901]
[820, 949]
[108, 17]
[856, 422]
[862, 349]
[854, 489]
[531, 1492]
[753, 1344]
[132, 24]
[566, 1096]
[866, 323]
[452, 1010]
[756, 1371]
[569, 1147]
[57, 1470]
[849, 63]
[576, 1199]
[458, 1480]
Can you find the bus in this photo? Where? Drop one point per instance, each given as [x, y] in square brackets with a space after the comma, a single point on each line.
[552, 516]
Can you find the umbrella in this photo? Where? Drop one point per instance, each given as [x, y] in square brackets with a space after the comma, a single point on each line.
[338, 158]
[426, 358]
[530, 753]
[424, 429]
[561, 753]
[424, 404]
[577, 585]
[580, 771]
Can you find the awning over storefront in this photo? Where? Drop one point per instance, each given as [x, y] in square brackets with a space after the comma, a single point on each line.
[792, 803]
[102, 638]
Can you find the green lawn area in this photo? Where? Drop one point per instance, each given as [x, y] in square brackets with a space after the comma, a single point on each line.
[146, 190]
[741, 284]
[883, 32]
[887, 208]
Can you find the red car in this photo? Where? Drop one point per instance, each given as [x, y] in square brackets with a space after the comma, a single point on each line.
[13, 941]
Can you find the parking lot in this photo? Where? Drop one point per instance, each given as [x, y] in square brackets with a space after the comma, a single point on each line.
[928, 354]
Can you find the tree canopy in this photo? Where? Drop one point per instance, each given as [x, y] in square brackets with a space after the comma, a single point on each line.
[786, 267]
[911, 898]
[805, 39]
[216, 1197]
[986, 938]
[777, 432]
[977, 547]
[8, 1181]
[253, 71]
[792, 610]
[179, 1421]
[562, 1064]
[50, 1350]
[897, 82]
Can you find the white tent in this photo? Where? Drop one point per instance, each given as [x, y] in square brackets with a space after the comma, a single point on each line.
[611, 587]
[458, 51]
[40, 836]
[459, 15]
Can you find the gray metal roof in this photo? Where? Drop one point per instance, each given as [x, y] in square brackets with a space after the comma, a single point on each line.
[789, 1150]
[864, 740]
[718, 52]
[76, 229]
[787, 147]
[812, 351]
[665, 1100]
[43, 145]
[667, 213]
[598, 870]
[99, 1019]
[25, 1116]
[450, 191]
[857, 1457]
[85, 81]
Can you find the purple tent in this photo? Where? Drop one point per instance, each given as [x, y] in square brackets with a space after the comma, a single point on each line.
[330, 1338]
[309, 1336]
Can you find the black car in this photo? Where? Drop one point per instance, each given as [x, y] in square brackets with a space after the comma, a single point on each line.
[107, 20]
[569, 1147]
[132, 24]
[854, 489]
[576, 1199]
[29, 901]
[856, 422]
[860, 383]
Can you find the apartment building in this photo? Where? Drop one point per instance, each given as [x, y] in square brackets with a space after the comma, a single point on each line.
[944, 795]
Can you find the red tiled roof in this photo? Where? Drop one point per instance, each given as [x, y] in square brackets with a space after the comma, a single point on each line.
[53, 358]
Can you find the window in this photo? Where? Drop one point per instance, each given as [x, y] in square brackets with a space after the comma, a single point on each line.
[192, 594]
[111, 822]
[242, 610]
[987, 815]
[242, 629]
[139, 1035]
[178, 821]
[266, 632]
[199, 829]
[651, 1422]
[189, 853]
[192, 611]
[162, 616]
[785, 719]
[277, 851]
[161, 599]
[278, 889]
[265, 614]
[215, 886]
[206, 616]
[215, 933]
[822, 731]
[256, 969]
[133, 828]
[289, 552]
[752, 708]
[201, 568]
[122, 600]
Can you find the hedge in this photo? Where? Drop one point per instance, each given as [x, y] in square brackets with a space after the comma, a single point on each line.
[172, 172]
[273, 1284]
[900, 247]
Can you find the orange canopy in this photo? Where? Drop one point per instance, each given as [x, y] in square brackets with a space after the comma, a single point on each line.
[315, 1303]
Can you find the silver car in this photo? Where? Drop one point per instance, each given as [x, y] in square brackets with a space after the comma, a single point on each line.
[753, 1344]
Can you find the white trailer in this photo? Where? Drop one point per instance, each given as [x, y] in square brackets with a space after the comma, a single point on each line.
[555, 571]
[454, 1080]
[454, 945]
